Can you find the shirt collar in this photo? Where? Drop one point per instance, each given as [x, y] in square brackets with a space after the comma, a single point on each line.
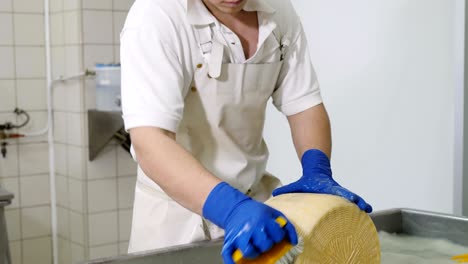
[198, 14]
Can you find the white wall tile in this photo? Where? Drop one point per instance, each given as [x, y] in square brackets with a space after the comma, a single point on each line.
[57, 33]
[33, 159]
[97, 27]
[58, 64]
[76, 228]
[77, 253]
[105, 164]
[90, 94]
[34, 190]
[6, 29]
[117, 53]
[12, 185]
[103, 228]
[60, 127]
[35, 222]
[126, 166]
[72, 27]
[61, 185]
[37, 250]
[59, 97]
[75, 126]
[64, 251]
[102, 195]
[76, 165]
[119, 21]
[104, 251]
[6, 5]
[75, 94]
[29, 6]
[63, 226]
[75, 190]
[13, 224]
[101, 4]
[7, 63]
[71, 4]
[9, 164]
[97, 54]
[126, 188]
[37, 123]
[32, 94]
[8, 98]
[56, 5]
[8, 117]
[61, 159]
[30, 62]
[73, 63]
[125, 225]
[29, 29]
[15, 250]
[123, 248]
[123, 5]
[86, 132]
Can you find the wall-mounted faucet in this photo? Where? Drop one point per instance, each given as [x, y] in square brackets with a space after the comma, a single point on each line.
[3, 144]
[10, 125]
[3, 149]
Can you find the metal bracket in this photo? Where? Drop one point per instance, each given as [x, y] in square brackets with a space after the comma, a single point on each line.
[103, 126]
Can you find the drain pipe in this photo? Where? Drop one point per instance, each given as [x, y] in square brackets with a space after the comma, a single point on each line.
[50, 135]
[49, 128]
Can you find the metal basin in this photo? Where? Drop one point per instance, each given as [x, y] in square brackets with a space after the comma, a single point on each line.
[406, 221]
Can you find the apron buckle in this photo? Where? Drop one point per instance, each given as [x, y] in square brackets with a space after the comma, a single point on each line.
[216, 60]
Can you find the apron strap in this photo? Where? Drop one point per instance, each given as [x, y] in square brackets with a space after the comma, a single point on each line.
[204, 35]
[216, 59]
[211, 50]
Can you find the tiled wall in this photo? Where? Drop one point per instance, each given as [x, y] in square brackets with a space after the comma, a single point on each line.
[94, 217]
[25, 169]
[94, 199]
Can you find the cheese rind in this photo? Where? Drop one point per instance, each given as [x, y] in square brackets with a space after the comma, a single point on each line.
[333, 229]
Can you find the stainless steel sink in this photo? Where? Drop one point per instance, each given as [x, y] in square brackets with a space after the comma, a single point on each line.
[405, 221]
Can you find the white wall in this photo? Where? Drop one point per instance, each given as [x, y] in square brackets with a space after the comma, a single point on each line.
[387, 72]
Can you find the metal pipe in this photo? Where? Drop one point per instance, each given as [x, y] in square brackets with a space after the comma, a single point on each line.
[50, 135]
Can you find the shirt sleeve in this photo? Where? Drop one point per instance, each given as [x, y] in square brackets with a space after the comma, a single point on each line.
[297, 87]
[152, 80]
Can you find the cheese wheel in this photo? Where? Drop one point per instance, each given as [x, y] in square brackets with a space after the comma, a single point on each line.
[333, 229]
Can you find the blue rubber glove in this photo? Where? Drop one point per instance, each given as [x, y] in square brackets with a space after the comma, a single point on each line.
[317, 178]
[249, 225]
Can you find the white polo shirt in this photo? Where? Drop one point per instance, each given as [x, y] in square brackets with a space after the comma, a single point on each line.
[159, 54]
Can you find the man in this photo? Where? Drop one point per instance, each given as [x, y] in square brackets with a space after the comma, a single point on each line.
[196, 77]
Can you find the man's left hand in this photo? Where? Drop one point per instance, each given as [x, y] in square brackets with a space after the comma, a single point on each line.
[317, 178]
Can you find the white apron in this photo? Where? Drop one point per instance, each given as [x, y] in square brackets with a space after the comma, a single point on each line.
[222, 127]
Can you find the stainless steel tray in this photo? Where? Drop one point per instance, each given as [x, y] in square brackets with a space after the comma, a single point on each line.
[423, 224]
[406, 221]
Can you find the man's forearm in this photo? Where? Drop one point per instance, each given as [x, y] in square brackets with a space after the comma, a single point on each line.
[174, 169]
[310, 129]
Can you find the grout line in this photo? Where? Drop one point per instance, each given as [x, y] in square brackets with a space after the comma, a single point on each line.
[35, 206]
[21, 13]
[38, 237]
[23, 45]
[113, 33]
[20, 218]
[33, 175]
[83, 151]
[24, 79]
[109, 244]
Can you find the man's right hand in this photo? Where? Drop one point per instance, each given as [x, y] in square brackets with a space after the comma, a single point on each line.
[249, 225]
